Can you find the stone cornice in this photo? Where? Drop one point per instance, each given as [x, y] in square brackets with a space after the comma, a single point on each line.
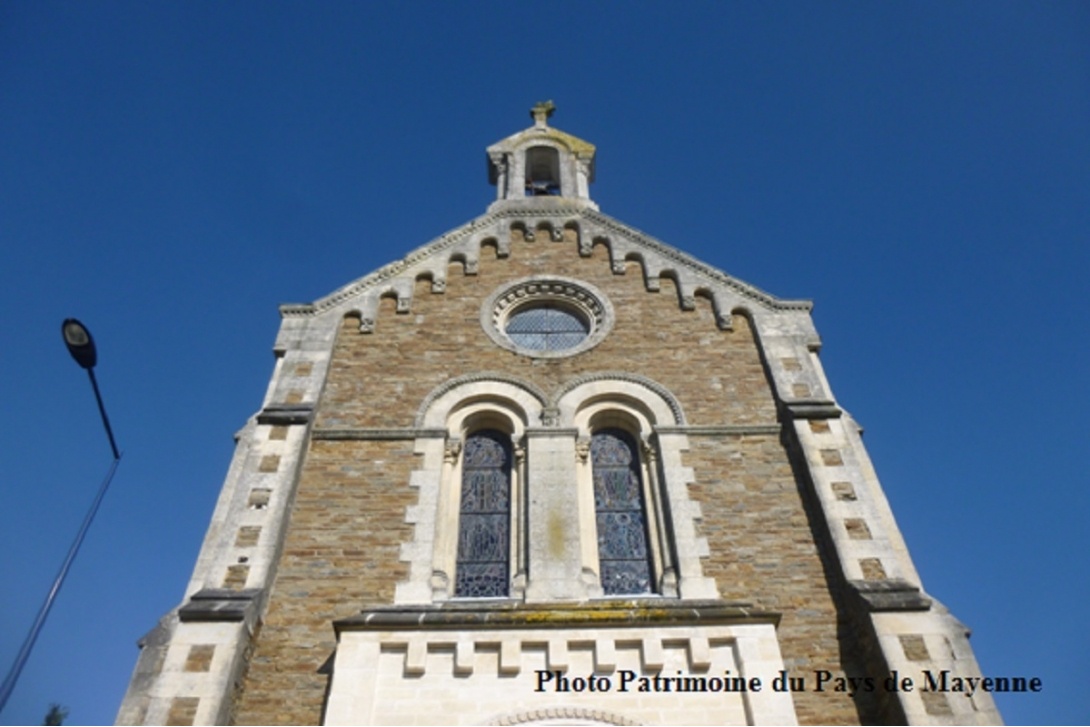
[568, 212]
[688, 261]
[388, 433]
[407, 433]
[720, 430]
[390, 270]
[548, 432]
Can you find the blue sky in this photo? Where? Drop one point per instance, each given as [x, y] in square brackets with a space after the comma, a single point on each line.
[170, 173]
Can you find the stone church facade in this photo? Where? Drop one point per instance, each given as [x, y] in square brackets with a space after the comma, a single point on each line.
[548, 469]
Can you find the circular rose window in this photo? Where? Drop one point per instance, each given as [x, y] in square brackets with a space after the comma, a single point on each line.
[547, 327]
[547, 317]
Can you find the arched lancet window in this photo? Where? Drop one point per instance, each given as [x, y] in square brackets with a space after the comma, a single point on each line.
[484, 518]
[623, 554]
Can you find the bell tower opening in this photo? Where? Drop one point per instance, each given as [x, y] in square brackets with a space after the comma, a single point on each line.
[541, 161]
[542, 172]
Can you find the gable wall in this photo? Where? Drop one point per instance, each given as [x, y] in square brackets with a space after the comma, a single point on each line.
[379, 379]
[348, 520]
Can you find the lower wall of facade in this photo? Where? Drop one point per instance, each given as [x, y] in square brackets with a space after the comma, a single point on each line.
[341, 551]
[765, 544]
[664, 675]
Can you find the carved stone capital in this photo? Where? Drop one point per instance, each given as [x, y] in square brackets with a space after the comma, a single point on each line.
[440, 585]
[582, 449]
[650, 454]
[452, 449]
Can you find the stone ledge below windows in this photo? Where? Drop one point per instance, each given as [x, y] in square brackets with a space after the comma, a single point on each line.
[390, 433]
[719, 430]
[511, 614]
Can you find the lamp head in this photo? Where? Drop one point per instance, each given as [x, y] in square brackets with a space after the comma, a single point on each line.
[79, 342]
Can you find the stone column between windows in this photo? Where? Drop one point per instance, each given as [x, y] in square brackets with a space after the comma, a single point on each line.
[555, 567]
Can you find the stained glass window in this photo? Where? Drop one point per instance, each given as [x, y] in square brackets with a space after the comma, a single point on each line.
[546, 328]
[484, 520]
[623, 555]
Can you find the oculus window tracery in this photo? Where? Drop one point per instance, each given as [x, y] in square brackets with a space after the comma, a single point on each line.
[547, 317]
[547, 327]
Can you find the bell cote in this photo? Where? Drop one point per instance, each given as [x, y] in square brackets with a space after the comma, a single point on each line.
[541, 163]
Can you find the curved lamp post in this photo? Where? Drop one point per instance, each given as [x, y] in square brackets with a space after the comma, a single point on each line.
[82, 347]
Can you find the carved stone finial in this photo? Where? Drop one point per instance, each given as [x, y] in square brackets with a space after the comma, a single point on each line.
[541, 111]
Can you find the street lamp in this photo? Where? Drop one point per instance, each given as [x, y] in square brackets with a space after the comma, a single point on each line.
[82, 347]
